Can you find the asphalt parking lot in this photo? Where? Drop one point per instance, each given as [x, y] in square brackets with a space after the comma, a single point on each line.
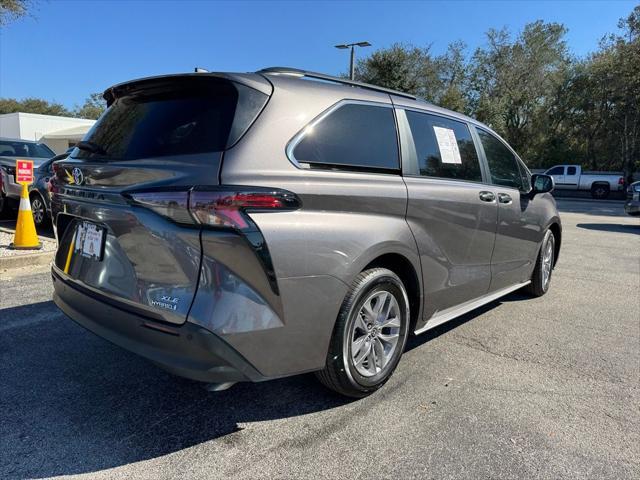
[522, 388]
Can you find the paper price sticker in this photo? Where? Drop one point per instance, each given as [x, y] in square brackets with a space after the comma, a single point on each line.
[448, 145]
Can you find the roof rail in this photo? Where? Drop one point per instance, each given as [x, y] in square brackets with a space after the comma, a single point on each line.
[296, 72]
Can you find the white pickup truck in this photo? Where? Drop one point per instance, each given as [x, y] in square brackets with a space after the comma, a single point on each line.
[571, 177]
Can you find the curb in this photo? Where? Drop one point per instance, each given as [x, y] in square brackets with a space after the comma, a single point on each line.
[591, 200]
[32, 260]
[26, 260]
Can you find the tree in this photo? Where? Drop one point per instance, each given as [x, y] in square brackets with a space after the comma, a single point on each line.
[407, 68]
[514, 84]
[401, 67]
[454, 78]
[11, 10]
[32, 105]
[92, 108]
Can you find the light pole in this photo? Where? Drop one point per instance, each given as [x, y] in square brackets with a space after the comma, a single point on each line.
[344, 46]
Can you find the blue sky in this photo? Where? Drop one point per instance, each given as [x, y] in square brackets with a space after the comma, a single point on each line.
[72, 48]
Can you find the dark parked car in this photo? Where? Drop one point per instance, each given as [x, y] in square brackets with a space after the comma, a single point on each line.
[10, 150]
[234, 227]
[39, 192]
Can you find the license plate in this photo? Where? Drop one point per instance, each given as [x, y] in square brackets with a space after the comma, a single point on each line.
[89, 241]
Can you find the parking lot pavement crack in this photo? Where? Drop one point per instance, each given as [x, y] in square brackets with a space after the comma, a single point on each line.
[476, 344]
[548, 393]
[481, 347]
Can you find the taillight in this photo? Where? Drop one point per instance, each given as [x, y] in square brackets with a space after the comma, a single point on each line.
[227, 208]
[621, 181]
[221, 207]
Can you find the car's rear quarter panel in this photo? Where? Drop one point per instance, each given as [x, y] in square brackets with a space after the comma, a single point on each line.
[346, 221]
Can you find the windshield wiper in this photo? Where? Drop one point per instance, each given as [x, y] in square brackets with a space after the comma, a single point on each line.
[91, 147]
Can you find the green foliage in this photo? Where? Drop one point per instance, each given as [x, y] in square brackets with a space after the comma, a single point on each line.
[439, 79]
[552, 108]
[11, 10]
[92, 107]
[32, 105]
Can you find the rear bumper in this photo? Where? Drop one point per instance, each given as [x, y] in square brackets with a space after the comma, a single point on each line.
[11, 188]
[188, 350]
[632, 207]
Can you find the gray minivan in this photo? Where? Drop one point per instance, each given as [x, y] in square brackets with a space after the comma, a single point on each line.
[244, 227]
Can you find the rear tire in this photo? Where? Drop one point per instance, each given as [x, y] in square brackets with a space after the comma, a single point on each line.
[600, 191]
[541, 277]
[369, 336]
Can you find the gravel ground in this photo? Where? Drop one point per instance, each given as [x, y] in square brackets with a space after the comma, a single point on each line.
[542, 388]
[6, 238]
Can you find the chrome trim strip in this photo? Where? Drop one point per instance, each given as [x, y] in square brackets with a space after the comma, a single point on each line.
[297, 138]
[453, 312]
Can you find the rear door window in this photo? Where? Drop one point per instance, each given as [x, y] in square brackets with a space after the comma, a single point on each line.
[571, 170]
[556, 171]
[354, 135]
[503, 164]
[179, 118]
[444, 147]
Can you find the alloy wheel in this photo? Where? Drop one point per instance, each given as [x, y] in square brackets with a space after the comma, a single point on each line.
[375, 333]
[547, 261]
[37, 208]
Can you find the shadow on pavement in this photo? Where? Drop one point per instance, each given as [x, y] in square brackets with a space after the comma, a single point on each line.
[73, 403]
[10, 223]
[419, 340]
[611, 227]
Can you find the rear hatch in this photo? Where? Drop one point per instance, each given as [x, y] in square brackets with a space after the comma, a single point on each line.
[164, 135]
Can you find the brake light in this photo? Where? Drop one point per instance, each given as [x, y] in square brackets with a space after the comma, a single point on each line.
[621, 181]
[227, 208]
[223, 207]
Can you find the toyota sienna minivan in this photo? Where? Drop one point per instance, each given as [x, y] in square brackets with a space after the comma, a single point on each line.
[244, 227]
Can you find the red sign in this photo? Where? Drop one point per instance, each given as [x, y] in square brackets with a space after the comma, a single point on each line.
[24, 172]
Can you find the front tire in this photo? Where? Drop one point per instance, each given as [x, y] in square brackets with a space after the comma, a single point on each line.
[369, 336]
[541, 277]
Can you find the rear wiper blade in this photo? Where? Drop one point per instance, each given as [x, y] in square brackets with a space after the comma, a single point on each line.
[91, 147]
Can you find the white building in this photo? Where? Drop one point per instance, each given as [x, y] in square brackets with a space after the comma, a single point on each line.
[59, 133]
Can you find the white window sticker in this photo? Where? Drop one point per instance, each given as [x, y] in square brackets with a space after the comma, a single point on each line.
[448, 145]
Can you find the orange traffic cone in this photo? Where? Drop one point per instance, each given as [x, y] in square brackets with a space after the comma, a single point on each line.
[26, 237]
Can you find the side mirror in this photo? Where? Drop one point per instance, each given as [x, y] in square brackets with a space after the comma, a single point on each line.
[541, 183]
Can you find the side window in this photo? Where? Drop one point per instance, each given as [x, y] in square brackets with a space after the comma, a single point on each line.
[526, 177]
[354, 135]
[556, 171]
[571, 170]
[444, 147]
[503, 165]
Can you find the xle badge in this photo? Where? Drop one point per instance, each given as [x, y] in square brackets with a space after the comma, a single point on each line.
[167, 302]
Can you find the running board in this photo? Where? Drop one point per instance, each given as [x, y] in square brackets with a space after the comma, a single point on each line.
[453, 312]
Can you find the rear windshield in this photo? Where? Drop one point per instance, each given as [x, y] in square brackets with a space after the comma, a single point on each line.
[10, 148]
[197, 116]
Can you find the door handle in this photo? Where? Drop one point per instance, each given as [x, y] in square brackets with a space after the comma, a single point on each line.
[504, 198]
[487, 196]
